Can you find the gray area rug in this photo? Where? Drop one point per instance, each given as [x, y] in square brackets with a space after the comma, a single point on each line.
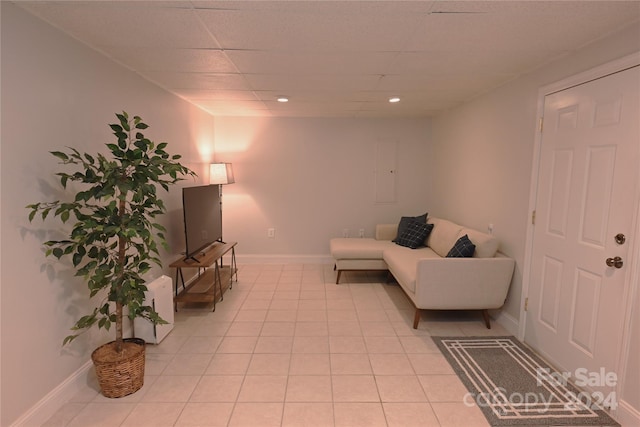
[513, 386]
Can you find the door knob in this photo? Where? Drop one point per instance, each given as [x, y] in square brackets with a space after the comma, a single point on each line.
[615, 262]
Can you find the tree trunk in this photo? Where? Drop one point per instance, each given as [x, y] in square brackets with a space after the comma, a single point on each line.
[122, 248]
[119, 334]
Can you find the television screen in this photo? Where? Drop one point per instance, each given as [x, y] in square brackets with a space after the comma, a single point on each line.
[202, 217]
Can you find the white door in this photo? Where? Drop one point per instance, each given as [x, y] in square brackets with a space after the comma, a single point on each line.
[587, 185]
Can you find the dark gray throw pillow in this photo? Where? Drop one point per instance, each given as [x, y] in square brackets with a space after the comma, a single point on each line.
[415, 234]
[462, 249]
[404, 222]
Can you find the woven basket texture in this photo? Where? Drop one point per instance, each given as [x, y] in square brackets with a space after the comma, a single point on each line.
[120, 375]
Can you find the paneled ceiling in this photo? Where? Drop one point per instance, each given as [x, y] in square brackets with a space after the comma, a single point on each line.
[334, 58]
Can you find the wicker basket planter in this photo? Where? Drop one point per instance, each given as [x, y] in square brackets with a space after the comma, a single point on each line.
[120, 374]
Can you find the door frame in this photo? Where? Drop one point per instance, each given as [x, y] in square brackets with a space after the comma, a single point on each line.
[631, 291]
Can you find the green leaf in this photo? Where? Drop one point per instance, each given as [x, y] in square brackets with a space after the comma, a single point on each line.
[44, 213]
[77, 259]
[59, 154]
[158, 226]
[124, 121]
[104, 323]
[68, 339]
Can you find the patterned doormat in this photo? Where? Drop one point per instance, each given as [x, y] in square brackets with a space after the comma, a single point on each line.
[513, 386]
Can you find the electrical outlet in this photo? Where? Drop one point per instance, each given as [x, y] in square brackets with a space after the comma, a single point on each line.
[490, 228]
[271, 233]
[361, 233]
[345, 232]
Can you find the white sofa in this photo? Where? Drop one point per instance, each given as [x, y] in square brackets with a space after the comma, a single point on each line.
[431, 280]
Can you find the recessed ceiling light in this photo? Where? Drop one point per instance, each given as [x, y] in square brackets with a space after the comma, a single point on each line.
[394, 99]
[282, 99]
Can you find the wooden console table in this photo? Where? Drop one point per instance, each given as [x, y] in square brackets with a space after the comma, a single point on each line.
[211, 272]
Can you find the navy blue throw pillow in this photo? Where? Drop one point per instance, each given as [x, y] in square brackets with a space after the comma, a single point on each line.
[462, 249]
[415, 234]
[405, 221]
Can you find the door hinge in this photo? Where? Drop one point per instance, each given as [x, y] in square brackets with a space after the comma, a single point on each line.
[526, 304]
[533, 217]
[540, 124]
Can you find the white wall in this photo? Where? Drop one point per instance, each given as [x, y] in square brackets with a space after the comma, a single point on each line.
[484, 152]
[57, 93]
[311, 178]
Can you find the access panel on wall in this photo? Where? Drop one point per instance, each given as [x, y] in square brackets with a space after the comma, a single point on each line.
[385, 172]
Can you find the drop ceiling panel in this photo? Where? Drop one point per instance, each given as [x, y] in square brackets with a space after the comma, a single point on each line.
[446, 63]
[512, 26]
[453, 84]
[323, 7]
[217, 95]
[281, 62]
[203, 81]
[126, 23]
[300, 29]
[232, 108]
[287, 84]
[324, 96]
[175, 60]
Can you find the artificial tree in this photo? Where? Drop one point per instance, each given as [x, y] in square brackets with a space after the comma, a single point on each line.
[114, 205]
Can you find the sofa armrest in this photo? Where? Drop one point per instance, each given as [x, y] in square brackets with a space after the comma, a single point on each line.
[463, 283]
[386, 231]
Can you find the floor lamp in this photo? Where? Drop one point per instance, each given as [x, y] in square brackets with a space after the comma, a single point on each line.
[221, 174]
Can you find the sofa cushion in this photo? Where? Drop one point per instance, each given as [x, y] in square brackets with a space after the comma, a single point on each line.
[354, 248]
[402, 263]
[414, 235]
[463, 248]
[386, 231]
[486, 244]
[406, 220]
[443, 236]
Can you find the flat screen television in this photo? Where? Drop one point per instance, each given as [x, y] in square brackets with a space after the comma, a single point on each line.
[202, 217]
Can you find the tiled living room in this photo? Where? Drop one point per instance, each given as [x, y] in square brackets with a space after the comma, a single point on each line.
[447, 98]
[289, 347]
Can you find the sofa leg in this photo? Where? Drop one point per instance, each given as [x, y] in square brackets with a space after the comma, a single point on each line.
[338, 277]
[487, 319]
[416, 319]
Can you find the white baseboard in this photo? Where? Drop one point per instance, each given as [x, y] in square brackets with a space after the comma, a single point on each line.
[283, 259]
[49, 405]
[627, 415]
[508, 322]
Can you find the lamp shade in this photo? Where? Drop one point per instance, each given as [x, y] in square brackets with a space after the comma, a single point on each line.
[221, 173]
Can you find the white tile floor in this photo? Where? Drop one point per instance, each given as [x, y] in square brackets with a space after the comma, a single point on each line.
[288, 347]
